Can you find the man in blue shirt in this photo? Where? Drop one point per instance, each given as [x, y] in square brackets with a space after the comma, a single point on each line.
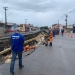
[53, 31]
[62, 31]
[17, 40]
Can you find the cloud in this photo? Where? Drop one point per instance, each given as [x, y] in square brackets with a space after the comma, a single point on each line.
[38, 12]
[35, 5]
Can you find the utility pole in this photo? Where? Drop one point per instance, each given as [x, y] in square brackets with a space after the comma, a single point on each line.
[5, 8]
[66, 20]
[58, 26]
[25, 23]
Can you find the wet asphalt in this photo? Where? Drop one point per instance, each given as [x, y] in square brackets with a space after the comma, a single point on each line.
[56, 60]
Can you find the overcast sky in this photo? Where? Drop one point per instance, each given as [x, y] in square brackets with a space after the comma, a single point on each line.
[38, 12]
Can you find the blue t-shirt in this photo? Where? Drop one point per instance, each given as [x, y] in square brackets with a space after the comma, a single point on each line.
[62, 31]
[17, 42]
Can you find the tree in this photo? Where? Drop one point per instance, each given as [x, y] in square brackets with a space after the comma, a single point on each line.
[44, 28]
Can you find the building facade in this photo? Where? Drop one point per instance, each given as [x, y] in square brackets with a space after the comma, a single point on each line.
[57, 27]
[1, 28]
[10, 27]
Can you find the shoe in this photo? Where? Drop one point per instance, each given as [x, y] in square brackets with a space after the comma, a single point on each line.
[21, 67]
[43, 43]
[51, 45]
[12, 73]
[46, 44]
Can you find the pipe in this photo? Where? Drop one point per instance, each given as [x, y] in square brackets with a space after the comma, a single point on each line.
[8, 49]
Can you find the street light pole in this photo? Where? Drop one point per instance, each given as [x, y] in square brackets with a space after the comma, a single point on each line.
[66, 20]
[25, 23]
[5, 8]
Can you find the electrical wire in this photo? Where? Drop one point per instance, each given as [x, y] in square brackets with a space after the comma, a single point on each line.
[67, 14]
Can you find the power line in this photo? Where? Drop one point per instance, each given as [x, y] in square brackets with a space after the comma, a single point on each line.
[66, 17]
[66, 14]
[72, 21]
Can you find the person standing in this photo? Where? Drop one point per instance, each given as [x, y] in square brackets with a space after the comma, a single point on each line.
[62, 31]
[50, 38]
[17, 41]
[53, 32]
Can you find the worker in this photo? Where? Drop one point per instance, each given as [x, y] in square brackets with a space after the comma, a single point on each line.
[50, 38]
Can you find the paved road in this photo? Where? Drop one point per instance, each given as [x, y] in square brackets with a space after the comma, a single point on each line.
[56, 60]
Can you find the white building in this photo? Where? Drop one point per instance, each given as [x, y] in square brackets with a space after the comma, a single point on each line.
[56, 27]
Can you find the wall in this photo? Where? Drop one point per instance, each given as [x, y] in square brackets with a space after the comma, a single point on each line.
[1, 28]
[12, 28]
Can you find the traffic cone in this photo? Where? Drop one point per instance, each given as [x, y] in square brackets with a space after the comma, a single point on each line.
[71, 36]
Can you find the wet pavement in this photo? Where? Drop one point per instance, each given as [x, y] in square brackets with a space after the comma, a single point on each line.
[56, 60]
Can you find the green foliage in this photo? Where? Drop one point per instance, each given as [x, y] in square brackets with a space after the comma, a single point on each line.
[43, 27]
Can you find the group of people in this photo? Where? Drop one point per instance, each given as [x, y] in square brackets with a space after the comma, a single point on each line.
[18, 39]
[49, 37]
